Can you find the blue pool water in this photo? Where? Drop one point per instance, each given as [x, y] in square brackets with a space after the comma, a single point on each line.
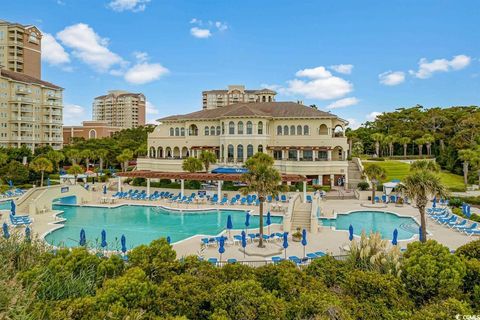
[374, 221]
[141, 225]
[5, 205]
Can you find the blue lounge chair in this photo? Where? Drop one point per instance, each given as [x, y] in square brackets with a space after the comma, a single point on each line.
[252, 236]
[312, 256]
[283, 198]
[295, 259]
[277, 199]
[384, 198]
[473, 232]
[320, 254]
[213, 261]
[376, 199]
[456, 225]
[276, 260]
[243, 201]
[214, 199]
[447, 220]
[309, 199]
[238, 196]
[257, 202]
[20, 220]
[269, 199]
[224, 201]
[441, 216]
[473, 226]
[233, 201]
[231, 260]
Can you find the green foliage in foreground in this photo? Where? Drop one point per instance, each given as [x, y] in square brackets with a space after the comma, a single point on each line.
[431, 283]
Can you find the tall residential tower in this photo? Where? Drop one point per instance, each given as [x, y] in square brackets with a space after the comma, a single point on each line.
[120, 109]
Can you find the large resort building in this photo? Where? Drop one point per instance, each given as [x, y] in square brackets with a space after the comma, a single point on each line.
[235, 94]
[120, 109]
[301, 139]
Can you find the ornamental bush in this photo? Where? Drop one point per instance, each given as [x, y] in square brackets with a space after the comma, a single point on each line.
[469, 250]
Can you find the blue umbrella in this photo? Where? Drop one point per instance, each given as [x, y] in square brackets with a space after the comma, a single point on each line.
[304, 240]
[464, 208]
[468, 213]
[229, 224]
[104, 239]
[13, 207]
[221, 246]
[285, 243]
[10, 183]
[48, 181]
[420, 233]
[269, 221]
[105, 189]
[395, 237]
[83, 239]
[6, 234]
[350, 233]
[434, 205]
[244, 242]
[27, 234]
[169, 240]
[247, 220]
[123, 241]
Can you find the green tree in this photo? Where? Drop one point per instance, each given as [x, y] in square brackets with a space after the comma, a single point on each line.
[375, 173]
[420, 186]
[420, 142]
[263, 179]
[102, 155]
[73, 155]
[207, 158]
[42, 165]
[429, 139]
[351, 136]
[357, 149]
[467, 156]
[14, 171]
[75, 170]
[87, 155]
[425, 165]
[430, 271]
[390, 140]
[378, 138]
[404, 141]
[3, 159]
[192, 164]
[55, 157]
[441, 310]
[124, 157]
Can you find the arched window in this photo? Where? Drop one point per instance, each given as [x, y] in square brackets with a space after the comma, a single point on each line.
[285, 130]
[240, 153]
[249, 151]
[230, 153]
[323, 129]
[193, 130]
[231, 127]
[176, 152]
[260, 127]
[177, 132]
[270, 99]
[249, 127]
[279, 130]
[185, 152]
[264, 99]
[207, 131]
[292, 130]
[338, 131]
[152, 152]
[306, 130]
[168, 152]
[212, 130]
[218, 130]
[182, 132]
[172, 132]
[299, 130]
[160, 152]
[240, 127]
[222, 151]
[92, 134]
[260, 148]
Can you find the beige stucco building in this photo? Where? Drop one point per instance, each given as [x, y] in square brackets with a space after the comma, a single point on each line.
[120, 109]
[30, 111]
[20, 48]
[235, 94]
[301, 139]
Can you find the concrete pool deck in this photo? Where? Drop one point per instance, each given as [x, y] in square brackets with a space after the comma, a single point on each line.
[326, 240]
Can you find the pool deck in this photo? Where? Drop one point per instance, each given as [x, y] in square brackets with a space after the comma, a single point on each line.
[326, 240]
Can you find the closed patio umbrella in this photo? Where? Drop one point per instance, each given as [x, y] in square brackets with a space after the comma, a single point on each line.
[221, 246]
[285, 243]
[28, 234]
[13, 207]
[420, 234]
[123, 241]
[6, 234]
[269, 221]
[304, 241]
[229, 225]
[169, 240]
[395, 237]
[83, 239]
[247, 221]
[350, 233]
[434, 204]
[48, 182]
[105, 189]
[244, 242]
[104, 239]
[10, 183]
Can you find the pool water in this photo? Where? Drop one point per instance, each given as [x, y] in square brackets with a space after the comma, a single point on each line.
[374, 221]
[5, 205]
[141, 224]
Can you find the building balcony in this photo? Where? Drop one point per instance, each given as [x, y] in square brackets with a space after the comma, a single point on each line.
[15, 58]
[22, 90]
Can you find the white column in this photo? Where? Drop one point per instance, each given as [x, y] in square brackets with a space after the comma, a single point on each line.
[219, 190]
[329, 155]
[332, 180]
[148, 187]
[304, 191]
[320, 180]
[182, 188]
[298, 154]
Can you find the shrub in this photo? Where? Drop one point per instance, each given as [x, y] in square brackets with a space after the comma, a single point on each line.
[429, 270]
[446, 309]
[364, 185]
[455, 202]
[470, 250]
[329, 270]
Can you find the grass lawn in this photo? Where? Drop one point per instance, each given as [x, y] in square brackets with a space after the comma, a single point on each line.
[399, 170]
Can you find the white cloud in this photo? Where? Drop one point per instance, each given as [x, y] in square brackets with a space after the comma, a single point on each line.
[141, 56]
[89, 47]
[200, 33]
[314, 73]
[392, 78]
[342, 68]
[128, 5]
[144, 72]
[353, 123]
[52, 51]
[74, 114]
[427, 68]
[372, 115]
[221, 26]
[342, 103]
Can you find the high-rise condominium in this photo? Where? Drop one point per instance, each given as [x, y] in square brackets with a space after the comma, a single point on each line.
[120, 109]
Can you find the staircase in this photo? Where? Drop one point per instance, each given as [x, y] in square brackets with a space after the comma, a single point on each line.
[301, 216]
[354, 175]
[340, 194]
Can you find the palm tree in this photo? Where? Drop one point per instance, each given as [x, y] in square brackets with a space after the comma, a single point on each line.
[192, 164]
[467, 156]
[42, 165]
[3, 158]
[421, 185]
[375, 173]
[75, 170]
[420, 142]
[390, 140]
[87, 155]
[425, 165]
[378, 138]
[207, 158]
[102, 155]
[357, 149]
[428, 142]
[124, 157]
[56, 157]
[351, 135]
[404, 141]
[73, 155]
[263, 179]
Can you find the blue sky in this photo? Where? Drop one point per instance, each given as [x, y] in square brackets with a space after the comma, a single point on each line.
[355, 58]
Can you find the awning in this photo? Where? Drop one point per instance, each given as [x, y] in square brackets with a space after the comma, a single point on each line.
[229, 170]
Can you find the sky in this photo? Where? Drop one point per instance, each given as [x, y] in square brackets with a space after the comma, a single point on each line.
[353, 58]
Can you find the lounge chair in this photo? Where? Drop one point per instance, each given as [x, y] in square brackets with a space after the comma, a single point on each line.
[214, 199]
[295, 259]
[456, 225]
[376, 199]
[237, 239]
[473, 232]
[213, 261]
[276, 260]
[231, 260]
[224, 201]
[320, 253]
[243, 201]
[238, 196]
[448, 219]
[309, 199]
[233, 201]
[252, 236]
[20, 220]
[283, 198]
[384, 199]
[473, 226]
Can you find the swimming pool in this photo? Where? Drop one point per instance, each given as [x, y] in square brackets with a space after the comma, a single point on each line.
[374, 221]
[5, 205]
[142, 224]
